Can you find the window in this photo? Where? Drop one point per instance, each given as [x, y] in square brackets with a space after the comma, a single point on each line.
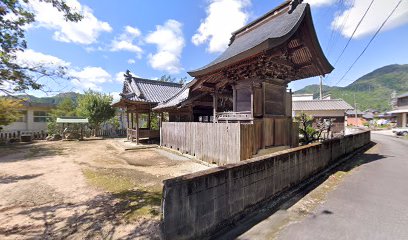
[274, 101]
[40, 116]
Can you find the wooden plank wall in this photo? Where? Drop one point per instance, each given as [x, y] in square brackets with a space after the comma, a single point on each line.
[224, 143]
[295, 135]
[268, 130]
[210, 142]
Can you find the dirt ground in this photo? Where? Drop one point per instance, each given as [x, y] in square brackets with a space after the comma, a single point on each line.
[84, 190]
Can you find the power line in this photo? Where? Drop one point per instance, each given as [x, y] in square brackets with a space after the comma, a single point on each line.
[368, 44]
[334, 35]
[352, 35]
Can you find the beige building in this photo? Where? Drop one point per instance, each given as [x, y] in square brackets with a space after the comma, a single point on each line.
[401, 110]
[325, 108]
[34, 118]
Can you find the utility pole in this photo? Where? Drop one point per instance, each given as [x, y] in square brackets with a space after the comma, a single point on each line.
[355, 107]
[321, 87]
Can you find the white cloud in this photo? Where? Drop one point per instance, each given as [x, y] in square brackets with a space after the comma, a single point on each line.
[374, 18]
[131, 61]
[116, 96]
[120, 78]
[82, 78]
[318, 3]
[90, 78]
[170, 42]
[125, 41]
[223, 18]
[31, 58]
[85, 31]
[132, 31]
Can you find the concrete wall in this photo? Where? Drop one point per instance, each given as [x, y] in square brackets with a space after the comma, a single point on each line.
[198, 204]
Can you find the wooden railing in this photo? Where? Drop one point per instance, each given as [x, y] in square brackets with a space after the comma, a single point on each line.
[142, 133]
[224, 143]
[234, 116]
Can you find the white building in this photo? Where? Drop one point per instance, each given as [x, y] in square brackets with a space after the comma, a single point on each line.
[34, 118]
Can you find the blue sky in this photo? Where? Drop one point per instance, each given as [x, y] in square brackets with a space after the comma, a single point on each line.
[152, 38]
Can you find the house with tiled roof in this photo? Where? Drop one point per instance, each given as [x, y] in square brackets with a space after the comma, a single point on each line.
[330, 109]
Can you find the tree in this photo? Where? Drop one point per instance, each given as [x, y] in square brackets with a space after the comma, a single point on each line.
[96, 107]
[168, 78]
[309, 133]
[15, 15]
[66, 108]
[10, 111]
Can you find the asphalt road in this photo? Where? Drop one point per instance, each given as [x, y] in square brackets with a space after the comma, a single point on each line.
[369, 203]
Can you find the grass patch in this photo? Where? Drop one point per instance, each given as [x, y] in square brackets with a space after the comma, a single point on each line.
[108, 182]
[132, 201]
[139, 203]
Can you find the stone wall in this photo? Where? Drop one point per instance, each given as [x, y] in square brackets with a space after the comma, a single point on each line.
[197, 205]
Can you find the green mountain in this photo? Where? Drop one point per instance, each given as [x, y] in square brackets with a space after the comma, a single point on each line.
[51, 100]
[373, 90]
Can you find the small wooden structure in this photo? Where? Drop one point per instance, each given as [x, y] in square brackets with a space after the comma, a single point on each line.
[240, 100]
[138, 97]
[78, 122]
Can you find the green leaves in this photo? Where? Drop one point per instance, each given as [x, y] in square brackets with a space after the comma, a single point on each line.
[96, 107]
[10, 111]
[14, 17]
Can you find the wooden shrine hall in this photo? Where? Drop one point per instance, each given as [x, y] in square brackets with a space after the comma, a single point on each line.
[238, 104]
[240, 100]
[138, 97]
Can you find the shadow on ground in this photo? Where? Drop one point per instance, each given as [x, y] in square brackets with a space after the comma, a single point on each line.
[13, 179]
[98, 218]
[29, 151]
[290, 197]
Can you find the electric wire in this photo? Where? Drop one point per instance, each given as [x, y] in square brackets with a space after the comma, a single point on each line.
[368, 44]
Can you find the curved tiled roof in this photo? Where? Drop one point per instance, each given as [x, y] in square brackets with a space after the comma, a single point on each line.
[269, 31]
[177, 99]
[152, 91]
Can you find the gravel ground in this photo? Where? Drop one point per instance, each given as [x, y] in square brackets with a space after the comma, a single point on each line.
[81, 190]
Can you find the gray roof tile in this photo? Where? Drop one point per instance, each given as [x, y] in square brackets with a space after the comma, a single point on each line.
[152, 91]
[276, 31]
[313, 105]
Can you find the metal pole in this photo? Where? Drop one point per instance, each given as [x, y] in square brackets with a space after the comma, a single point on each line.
[355, 109]
[321, 88]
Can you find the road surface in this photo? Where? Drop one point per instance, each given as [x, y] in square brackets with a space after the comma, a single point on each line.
[369, 202]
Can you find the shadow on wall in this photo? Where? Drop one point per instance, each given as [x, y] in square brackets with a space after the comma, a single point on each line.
[290, 197]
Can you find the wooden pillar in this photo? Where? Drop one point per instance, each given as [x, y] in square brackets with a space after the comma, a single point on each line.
[137, 128]
[160, 127]
[215, 104]
[191, 113]
[234, 98]
[148, 120]
[252, 102]
[127, 118]
[131, 119]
